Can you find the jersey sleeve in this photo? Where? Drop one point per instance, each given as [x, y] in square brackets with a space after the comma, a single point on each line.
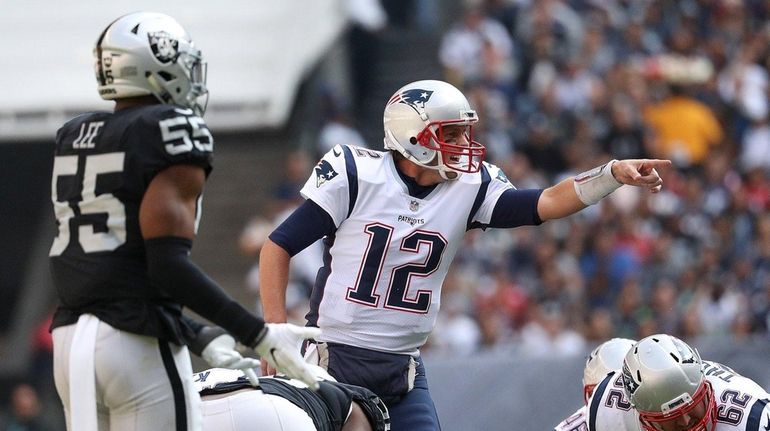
[575, 422]
[329, 183]
[170, 135]
[498, 183]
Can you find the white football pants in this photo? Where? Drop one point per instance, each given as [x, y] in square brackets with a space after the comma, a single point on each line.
[252, 409]
[112, 380]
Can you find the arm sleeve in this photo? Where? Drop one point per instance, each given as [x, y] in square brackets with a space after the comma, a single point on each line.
[516, 208]
[171, 270]
[306, 225]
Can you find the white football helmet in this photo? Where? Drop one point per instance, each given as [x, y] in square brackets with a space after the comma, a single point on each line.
[663, 378]
[607, 357]
[414, 119]
[147, 53]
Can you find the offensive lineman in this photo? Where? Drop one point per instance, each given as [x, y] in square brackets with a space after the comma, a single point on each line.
[126, 192]
[392, 223]
[607, 357]
[232, 403]
[665, 386]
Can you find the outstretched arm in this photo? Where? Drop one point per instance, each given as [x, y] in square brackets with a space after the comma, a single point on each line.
[575, 193]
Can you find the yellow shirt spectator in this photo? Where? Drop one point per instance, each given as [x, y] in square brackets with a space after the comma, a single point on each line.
[685, 129]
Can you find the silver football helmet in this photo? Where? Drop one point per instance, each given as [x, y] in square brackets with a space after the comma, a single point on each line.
[414, 121]
[607, 357]
[147, 53]
[663, 378]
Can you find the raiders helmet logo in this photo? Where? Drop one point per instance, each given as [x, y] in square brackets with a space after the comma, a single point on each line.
[164, 46]
[323, 173]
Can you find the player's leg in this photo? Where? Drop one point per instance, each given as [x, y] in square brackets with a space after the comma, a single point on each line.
[415, 411]
[357, 420]
[145, 383]
[250, 409]
[63, 338]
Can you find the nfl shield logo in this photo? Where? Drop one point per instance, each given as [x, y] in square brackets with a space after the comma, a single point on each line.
[414, 205]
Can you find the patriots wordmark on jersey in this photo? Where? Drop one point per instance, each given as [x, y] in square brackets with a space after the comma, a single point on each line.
[103, 164]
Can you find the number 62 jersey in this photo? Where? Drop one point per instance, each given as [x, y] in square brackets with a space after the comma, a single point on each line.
[741, 404]
[103, 164]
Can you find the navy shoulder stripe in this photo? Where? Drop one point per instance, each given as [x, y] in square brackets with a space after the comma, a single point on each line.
[480, 195]
[352, 171]
[755, 416]
[596, 399]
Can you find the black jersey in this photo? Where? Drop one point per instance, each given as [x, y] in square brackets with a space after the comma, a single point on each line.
[328, 407]
[103, 164]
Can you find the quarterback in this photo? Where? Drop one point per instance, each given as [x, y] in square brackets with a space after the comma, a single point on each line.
[392, 221]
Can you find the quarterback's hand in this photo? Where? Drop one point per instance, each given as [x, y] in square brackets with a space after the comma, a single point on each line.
[640, 172]
[280, 347]
[220, 353]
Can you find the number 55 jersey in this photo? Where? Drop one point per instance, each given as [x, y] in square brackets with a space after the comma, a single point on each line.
[741, 404]
[103, 164]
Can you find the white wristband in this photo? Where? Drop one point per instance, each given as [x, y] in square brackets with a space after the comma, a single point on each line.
[591, 186]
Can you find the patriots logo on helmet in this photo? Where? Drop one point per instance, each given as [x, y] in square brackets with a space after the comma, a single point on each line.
[164, 46]
[415, 98]
[628, 381]
[323, 173]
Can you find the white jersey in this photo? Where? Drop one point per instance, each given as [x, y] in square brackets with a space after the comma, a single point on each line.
[742, 405]
[386, 263]
[575, 422]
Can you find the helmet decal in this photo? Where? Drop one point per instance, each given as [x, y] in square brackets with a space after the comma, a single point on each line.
[415, 98]
[164, 46]
[628, 381]
[147, 53]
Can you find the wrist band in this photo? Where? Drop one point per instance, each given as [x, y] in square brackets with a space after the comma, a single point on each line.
[593, 185]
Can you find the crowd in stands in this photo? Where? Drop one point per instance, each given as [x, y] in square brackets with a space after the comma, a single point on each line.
[562, 86]
[565, 85]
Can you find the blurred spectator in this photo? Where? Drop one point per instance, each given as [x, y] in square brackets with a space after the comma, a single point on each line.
[25, 413]
[477, 49]
[685, 129]
[626, 137]
[337, 128]
[368, 19]
[548, 336]
[305, 264]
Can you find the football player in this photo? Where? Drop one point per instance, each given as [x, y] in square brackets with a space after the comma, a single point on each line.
[665, 386]
[126, 191]
[393, 221]
[233, 403]
[607, 357]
